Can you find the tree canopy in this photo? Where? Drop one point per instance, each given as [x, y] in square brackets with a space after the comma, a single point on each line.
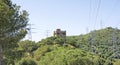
[13, 24]
[99, 47]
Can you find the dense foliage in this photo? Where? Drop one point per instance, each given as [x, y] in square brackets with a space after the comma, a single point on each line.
[27, 62]
[68, 56]
[13, 24]
[104, 42]
[99, 47]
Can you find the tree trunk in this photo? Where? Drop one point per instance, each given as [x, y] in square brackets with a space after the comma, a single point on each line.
[1, 55]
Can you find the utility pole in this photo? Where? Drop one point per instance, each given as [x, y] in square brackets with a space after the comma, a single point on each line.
[30, 31]
[47, 33]
[87, 30]
[101, 24]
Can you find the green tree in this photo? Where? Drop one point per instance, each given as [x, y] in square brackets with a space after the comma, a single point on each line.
[58, 41]
[67, 56]
[117, 62]
[12, 26]
[27, 62]
[71, 41]
[27, 45]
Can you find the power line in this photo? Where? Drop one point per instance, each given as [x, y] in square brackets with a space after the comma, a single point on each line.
[117, 24]
[113, 9]
[90, 12]
[96, 17]
[93, 34]
[101, 24]
[30, 31]
[47, 33]
[87, 29]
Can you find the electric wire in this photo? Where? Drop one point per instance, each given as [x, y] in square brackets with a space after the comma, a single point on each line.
[89, 17]
[96, 17]
[117, 24]
[113, 10]
[90, 13]
[93, 35]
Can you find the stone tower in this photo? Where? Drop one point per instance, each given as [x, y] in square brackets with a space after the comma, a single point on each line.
[60, 33]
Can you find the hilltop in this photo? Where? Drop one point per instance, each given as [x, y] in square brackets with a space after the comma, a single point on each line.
[99, 47]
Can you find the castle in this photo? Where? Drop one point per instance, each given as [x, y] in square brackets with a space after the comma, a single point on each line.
[60, 33]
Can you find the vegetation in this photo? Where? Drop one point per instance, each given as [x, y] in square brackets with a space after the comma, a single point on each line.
[12, 29]
[27, 62]
[99, 47]
[104, 43]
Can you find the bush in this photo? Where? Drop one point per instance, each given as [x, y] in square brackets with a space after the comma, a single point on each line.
[27, 62]
[117, 62]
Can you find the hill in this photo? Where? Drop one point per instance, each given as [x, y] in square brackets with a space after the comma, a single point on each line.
[104, 42]
[99, 47]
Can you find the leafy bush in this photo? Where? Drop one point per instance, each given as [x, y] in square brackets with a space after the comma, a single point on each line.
[27, 62]
[67, 56]
[117, 62]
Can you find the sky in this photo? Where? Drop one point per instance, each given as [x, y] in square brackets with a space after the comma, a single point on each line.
[75, 16]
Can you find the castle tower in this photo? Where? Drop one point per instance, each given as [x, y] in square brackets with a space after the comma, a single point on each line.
[60, 33]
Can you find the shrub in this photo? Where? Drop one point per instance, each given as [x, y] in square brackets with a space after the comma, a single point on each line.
[27, 62]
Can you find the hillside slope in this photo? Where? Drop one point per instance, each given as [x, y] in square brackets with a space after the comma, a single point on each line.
[99, 47]
[104, 42]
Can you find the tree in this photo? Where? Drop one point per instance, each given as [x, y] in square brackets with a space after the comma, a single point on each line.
[117, 62]
[12, 26]
[27, 61]
[28, 46]
[58, 41]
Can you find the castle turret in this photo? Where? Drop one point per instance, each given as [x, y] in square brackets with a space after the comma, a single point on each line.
[60, 33]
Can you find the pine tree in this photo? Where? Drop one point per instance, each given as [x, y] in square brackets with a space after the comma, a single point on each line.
[13, 24]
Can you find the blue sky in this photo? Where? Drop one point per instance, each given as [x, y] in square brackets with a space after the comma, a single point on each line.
[74, 16]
